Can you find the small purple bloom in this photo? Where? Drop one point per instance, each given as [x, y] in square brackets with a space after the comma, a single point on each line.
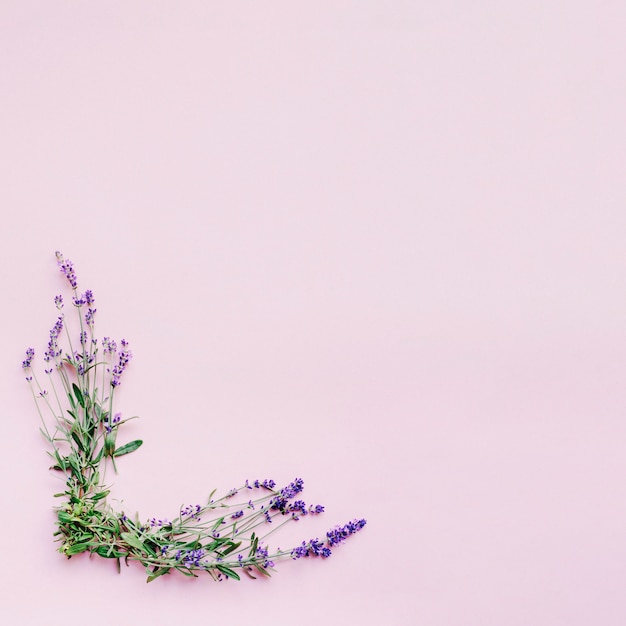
[124, 356]
[89, 316]
[54, 350]
[30, 353]
[109, 345]
[67, 268]
[341, 533]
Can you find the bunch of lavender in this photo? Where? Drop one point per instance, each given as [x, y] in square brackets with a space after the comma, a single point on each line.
[221, 537]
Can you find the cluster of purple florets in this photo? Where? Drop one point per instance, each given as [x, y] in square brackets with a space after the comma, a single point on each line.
[190, 557]
[268, 483]
[191, 510]
[334, 536]
[124, 357]
[67, 267]
[313, 548]
[154, 522]
[341, 533]
[109, 346]
[281, 501]
[54, 350]
[89, 317]
[30, 355]
[263, 553]
[86, 298]
[109, 426]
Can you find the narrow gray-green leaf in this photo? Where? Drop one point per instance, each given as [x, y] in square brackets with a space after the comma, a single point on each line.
[128, 447]
[79, 395]
[228, 572]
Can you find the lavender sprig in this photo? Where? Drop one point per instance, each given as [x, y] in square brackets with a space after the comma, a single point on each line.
[225, 536]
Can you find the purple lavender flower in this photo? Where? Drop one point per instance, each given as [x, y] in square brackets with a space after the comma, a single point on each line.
[89, 317]
[109, 346]
[158, 522]
[58, 300]
[287, 493]
[300, 551]
[192, 511]
[292, 489]
[124, 356]
[262, 553]
[268, 483]
[114, 422]
[67, 268]
[299, 506]
[88, 297]
[30, 353]
[237, 515]
[341, 533]
[313, 548]
[54, 350]
[316, 546]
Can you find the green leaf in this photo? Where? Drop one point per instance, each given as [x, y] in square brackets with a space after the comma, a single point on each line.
[108, 552]
[254, 546]
[185, 571]
[77, 548]
[228, 572]
[233, 546]
[72, 460]
[156, 572]
[76, 438]
[128, 448]
[60, 460]
[64, 518]
[101, 494]
[133, 541]
[79, 395]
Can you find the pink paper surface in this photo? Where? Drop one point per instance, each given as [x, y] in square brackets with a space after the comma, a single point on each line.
[378, 245]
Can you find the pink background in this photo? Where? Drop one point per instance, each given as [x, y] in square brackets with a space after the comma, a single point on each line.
[379, 245]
